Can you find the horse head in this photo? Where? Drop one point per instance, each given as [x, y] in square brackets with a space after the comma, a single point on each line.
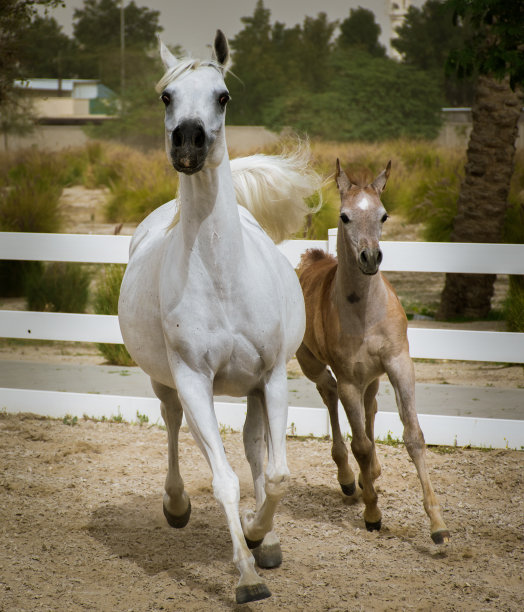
[362, 216]
[195, 97]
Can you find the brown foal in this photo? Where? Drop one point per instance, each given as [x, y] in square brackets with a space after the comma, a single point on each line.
[356, 326]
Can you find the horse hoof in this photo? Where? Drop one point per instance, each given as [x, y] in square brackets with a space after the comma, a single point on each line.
[253, 543]
[268, 556]
[373, 526]
[252, 592]
[177, 521]
[349, 489]
[441, 536]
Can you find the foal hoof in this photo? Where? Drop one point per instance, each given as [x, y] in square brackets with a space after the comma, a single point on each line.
[349, 489]
[177, 521]
[373, 526]
[441, 536]
[268, 556]
[252, 592]
[253, 543]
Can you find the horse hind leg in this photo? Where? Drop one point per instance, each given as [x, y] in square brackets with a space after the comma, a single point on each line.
[327, 387]
[268, 554]
[176, 502]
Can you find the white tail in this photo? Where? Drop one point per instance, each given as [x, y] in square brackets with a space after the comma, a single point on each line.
[273, 188]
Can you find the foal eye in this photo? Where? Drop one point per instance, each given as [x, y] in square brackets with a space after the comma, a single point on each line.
[166, 98]
[344, 218]
[223, 99]
[385, 218]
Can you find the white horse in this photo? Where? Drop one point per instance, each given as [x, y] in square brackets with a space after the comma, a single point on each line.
[209, 306]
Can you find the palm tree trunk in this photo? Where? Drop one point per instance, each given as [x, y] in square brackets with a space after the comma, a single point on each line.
[483, 197]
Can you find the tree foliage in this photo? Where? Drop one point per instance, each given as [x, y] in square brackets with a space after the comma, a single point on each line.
[360, 30]
[425, 41]
[339, 88]
[15, 15]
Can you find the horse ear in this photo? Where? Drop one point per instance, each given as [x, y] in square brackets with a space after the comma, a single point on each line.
[380, 182]
[341, 178]
[221, 49]
[168, 59]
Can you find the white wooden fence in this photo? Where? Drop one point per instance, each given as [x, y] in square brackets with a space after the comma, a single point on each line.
[398, 256]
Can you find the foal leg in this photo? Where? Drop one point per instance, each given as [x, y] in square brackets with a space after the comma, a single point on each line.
[176, 504]
[195, 392]
[401, 374]
[256, 525]
[370, 407]
[327, 387]
[363, 450]
[268, 554]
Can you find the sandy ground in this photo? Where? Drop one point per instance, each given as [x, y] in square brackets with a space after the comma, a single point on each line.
[81, 528]
[81, 524]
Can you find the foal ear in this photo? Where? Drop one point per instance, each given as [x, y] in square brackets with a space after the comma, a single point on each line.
[341, 178]
[380, 182]
[168, 59]
[221, 50]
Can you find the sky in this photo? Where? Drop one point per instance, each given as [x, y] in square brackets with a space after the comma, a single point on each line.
[193, 23]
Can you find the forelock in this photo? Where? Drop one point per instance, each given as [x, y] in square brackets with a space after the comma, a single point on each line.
[183, 67]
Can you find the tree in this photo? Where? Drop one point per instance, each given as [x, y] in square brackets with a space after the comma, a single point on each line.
[360, 30]
[15, 15]
[45, 51]
[495, 51]
[425, 40]
[97, 31]
[367, 98]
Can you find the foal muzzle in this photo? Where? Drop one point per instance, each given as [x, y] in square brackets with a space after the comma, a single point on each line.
[189, 146]
[369, 260]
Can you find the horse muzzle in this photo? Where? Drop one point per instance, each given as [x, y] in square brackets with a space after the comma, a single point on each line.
[369, 260]
[189, 146]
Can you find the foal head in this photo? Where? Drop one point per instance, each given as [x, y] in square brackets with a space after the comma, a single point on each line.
[362, 215]
[195, 97]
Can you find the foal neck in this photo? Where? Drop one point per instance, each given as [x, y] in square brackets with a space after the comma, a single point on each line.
[361, 297]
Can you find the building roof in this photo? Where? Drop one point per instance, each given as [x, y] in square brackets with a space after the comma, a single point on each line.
[53, 84]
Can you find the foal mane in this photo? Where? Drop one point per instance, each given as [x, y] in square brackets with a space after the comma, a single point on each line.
[184, 66]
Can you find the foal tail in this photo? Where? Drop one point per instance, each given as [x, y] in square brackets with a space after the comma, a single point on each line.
[273, 188]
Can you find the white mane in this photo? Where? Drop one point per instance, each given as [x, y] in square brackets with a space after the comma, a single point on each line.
[182, 67]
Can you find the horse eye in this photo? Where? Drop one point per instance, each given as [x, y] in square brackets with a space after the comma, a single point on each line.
[166, 98]
[223, 99]
[344, 218]
[385, 218]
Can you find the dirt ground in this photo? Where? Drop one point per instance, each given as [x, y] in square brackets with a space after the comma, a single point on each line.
[81, 527]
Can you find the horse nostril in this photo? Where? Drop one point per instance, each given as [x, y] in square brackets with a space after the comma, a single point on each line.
[178, 137]
[363, 257]
[379, 257]
[199, 137]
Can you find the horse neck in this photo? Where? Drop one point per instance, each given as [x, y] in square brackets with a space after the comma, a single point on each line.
[359, 296]
[208, 211]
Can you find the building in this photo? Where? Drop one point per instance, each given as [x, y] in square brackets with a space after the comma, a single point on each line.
[62, 107]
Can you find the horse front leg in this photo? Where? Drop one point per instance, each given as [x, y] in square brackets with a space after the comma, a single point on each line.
[370, 407]
[363, 449]
[327, 387]
[176, 503]
[268, 554]
[257, 524]
[402, 376]
[195, 392]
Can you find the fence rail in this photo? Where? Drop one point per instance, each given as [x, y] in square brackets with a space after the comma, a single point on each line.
[398, 256]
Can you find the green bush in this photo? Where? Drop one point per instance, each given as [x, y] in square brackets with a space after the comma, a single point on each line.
[106, 302]
[514, 304]
[58, 287]
[28, 203]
